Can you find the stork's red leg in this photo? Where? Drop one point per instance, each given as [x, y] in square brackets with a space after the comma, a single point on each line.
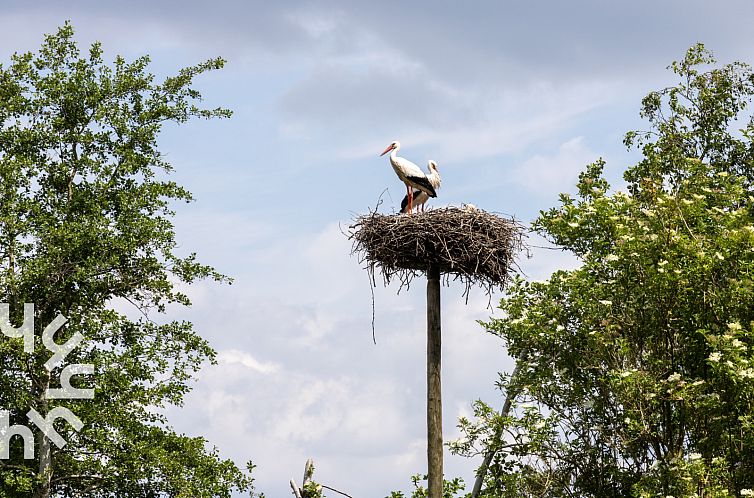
[410, 199]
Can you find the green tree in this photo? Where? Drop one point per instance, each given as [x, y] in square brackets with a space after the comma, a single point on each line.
[85, 218]
[635, 372]
[453, 488]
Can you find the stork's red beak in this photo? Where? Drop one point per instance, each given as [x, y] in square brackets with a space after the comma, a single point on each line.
[389, 148]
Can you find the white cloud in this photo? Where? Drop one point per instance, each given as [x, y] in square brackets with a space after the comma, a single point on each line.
[548, 175]
[373, 103]
[235, 356]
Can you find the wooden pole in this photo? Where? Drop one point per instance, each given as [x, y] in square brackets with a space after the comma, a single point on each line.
[434, 392]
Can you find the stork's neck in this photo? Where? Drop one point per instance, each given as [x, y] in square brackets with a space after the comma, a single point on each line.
[394, 153]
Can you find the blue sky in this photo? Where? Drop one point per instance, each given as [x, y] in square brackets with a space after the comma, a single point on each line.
[512, 99]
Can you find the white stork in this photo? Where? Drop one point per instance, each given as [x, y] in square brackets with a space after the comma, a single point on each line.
[409, 173]
[420, 198]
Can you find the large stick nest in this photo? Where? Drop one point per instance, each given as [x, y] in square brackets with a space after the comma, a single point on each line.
[466, 244]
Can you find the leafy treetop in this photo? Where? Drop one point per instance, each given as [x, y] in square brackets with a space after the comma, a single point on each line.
[86, 219]
[635, 370]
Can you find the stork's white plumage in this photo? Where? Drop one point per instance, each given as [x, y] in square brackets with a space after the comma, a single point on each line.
[420, 197]
[409, 173]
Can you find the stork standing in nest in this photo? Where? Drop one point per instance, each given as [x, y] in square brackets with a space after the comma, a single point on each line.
[420, 197]
[410, 174]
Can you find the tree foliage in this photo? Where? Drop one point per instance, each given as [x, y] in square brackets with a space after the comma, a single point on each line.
[85, 218]
[636, 370]
[453, 488]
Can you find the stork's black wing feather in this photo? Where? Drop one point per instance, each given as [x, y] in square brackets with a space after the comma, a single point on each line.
[422, 182]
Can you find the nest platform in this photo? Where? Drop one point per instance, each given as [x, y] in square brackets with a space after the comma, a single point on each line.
[466, 244]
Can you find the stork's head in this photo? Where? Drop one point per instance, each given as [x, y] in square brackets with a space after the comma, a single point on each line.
[393, 146]
[432, 166]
